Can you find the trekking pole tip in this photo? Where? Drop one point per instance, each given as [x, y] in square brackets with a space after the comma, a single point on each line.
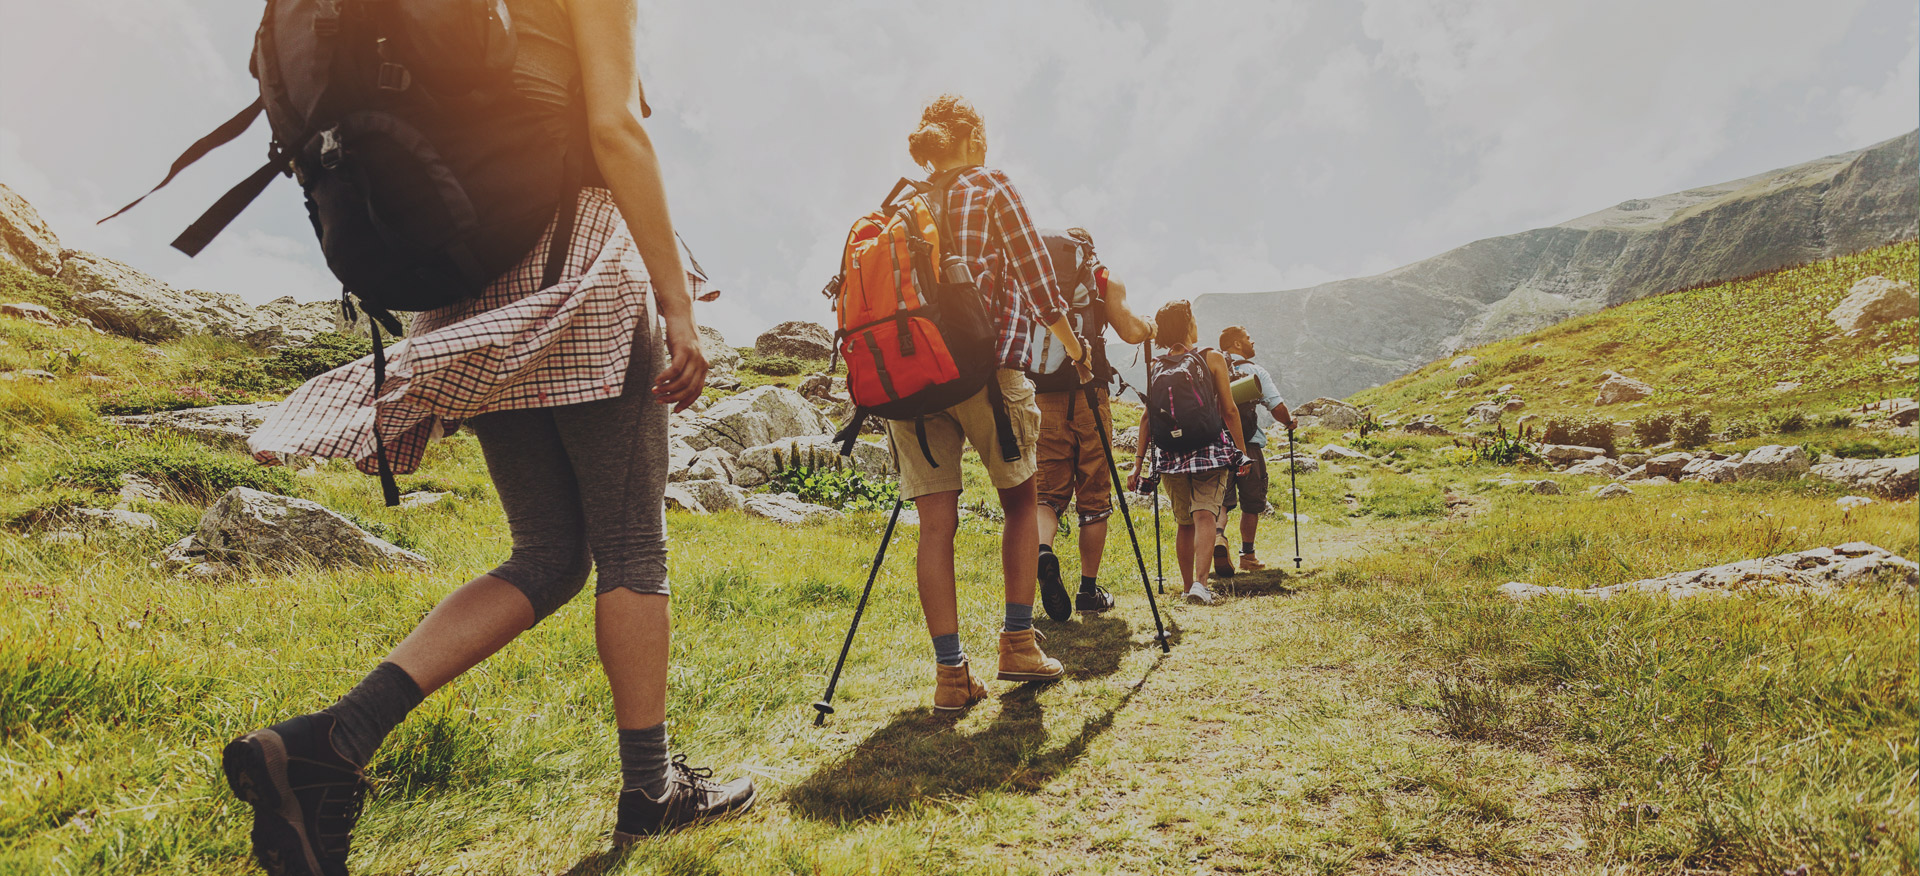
[825, 709]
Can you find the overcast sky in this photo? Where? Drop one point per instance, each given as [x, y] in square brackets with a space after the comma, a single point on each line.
[1209, 146]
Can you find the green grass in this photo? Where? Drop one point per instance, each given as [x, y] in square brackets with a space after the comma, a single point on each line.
[1721, 348]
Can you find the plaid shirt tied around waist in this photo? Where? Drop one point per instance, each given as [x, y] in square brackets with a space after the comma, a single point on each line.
[993, 234]
[512, 347]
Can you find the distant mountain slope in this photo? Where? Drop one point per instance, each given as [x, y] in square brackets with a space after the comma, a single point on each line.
[1340, 337]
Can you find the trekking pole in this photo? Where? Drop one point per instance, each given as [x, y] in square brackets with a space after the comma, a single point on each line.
[1159, 558]
[825, 705]
[1293, 483]
[1126, 514]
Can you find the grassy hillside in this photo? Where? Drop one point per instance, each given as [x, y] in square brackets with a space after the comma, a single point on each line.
[1720, 349]
[1383, 711]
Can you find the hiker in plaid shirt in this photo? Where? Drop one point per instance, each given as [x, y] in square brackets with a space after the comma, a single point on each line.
[568, 387]
[998, 242]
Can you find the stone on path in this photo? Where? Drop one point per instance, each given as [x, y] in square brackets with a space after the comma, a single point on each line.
[225, 427]
[1821, 571]
[784, 508]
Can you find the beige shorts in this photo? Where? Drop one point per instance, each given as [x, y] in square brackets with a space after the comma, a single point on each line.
[969, 422]
[1199, 491]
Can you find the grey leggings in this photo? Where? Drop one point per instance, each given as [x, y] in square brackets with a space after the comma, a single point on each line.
[583, 487]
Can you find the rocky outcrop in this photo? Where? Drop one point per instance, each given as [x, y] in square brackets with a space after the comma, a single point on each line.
[284, 322]
[759, 416]
[1822, 571]
[1332, 413]
[784, 508]
[1340, 337]
[799, 339]
[715, 496]
[1565, 454]
[1618, 388]
[125, 301]
[1874, 301]
[1597, 467]
[711, 464]
[250, 527]
[1893, 478]
[31, 313]
[25, 239]
[723, 361]
[223, 426]
[678, 498]
[1336, 453]
[758, 465]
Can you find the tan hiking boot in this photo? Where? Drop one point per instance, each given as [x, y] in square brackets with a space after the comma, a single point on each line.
[1251, 563]
[1021, 659]
[1222, 560]
[955, 688]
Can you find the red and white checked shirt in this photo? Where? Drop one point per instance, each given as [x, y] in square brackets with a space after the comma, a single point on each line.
[514, 346]
[998, 242]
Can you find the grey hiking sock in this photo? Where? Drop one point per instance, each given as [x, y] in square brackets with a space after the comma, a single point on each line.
[643, 760]
[370, 711]
[946, 650]
[1019, 617]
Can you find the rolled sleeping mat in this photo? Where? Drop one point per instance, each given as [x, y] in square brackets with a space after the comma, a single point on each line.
[1246, 389]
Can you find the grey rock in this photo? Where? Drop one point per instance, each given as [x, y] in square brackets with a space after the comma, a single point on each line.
[29, 311]
[422, 499]
[678, 498]
[1128, 440]
[1569, 453]
[824, 387]
[1425, 425]
[1333, 452]
[1896, 411]
[1464, 362]
[759, 416]
[1821, 571]
[1597, 467]
[127, 302]
[715, 496]
[1786, 386]
[223, 426]
[758, 465]
[134, 488]
[1772, 462]
[723, 361]
[1466, 380]
[1613, 491]
[34, 374]
[1544, 488]
[1668, 465]
[1333, 413]
[1619, 388]
[1706, 469]
[115, 519]
[25, 239]
[1634, 460]
[284, 322]
[711, 464]
[787, 510]
[1892, 478]
[1485, 413]
[799, 339]
[1874, 301]
[250, 527]
[1337, 338]
[1303, 464]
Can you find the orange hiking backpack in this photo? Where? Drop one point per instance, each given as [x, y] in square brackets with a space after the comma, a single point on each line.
[913, 326]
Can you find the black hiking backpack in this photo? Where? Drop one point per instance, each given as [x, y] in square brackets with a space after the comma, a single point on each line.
[1183, 409]
[1071, 252]
[427, 173]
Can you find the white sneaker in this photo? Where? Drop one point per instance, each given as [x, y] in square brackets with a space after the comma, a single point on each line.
[1199, 595]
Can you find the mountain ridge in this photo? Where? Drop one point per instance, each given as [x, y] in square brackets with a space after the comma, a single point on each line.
[1336, 338]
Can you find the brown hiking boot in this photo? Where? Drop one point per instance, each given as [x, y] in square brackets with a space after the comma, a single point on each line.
[955, 688]
[1222, 561]
[1251, 563]
[1022, 660]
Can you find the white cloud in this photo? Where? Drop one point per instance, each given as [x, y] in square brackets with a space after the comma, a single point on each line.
[1873, 114]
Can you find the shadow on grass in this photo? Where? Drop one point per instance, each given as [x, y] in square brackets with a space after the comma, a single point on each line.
[1268, 582]
[918, 756]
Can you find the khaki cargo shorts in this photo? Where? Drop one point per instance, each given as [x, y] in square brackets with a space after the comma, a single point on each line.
[1072, 459]
[1199, 491]
[1248, 492]
[969, 422]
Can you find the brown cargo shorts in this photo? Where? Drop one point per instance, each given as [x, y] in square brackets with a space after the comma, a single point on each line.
[1072, 460]
[1248, 492]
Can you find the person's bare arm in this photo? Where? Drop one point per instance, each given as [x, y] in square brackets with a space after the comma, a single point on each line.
[1127, 324]
[604, 39]
[1283, 416]
[1140, 444]
[1223, 390]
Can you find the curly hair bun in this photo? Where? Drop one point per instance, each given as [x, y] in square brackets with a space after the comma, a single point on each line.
[1173, 324]
[945, 126]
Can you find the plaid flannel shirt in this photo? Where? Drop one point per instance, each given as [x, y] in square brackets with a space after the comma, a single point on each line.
[1000, 245]
[1219, 454]
[514, 346]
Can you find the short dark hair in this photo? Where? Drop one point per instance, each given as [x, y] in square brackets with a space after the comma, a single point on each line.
[1231, 332]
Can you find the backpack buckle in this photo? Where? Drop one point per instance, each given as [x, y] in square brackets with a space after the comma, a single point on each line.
[394, 77]
[330, 148]
[326, 19]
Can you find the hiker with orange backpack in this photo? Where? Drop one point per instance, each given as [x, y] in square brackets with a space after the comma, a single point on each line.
[1074, 412]
[935, 302]
[1190, 438]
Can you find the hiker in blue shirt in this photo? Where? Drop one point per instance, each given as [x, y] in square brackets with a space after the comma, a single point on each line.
[1249, 490]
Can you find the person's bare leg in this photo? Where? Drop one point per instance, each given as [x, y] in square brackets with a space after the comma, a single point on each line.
[1019, 545]
[1047, 523]
[1093, 543]
[1203, 561]
[1249, 527]
[633, 633]
[466, 627]
[1183, 552]
[933, 564]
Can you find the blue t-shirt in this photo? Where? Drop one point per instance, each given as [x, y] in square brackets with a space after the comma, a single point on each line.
[1269, 391]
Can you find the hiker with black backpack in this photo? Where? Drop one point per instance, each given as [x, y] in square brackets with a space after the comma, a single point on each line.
[1248, 491]
[483, 164]
[1071, 453]
[935, 303]
[1190, 439]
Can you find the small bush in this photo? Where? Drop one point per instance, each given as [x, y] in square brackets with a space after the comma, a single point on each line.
[1579, 431]
[1864, 450]
[196, 471]
[327, 351]
[1745, 427]
[1522, 362]
[1654, 428]
[1692, 429]
[841, 488]
[1842, 420]
[240, 376]
[1788, 423]
[777, 366]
